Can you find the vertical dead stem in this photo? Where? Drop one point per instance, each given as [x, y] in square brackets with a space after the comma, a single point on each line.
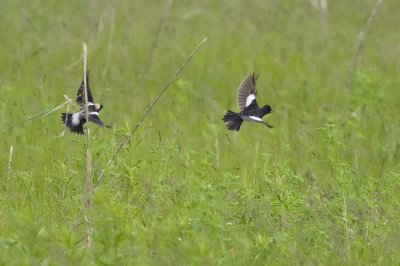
[10, 161]
[89, 185]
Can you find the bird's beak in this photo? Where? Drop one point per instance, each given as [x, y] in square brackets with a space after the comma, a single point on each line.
[98, 106]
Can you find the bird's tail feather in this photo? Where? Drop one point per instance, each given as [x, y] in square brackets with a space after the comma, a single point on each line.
[66, 119]
[232, 120]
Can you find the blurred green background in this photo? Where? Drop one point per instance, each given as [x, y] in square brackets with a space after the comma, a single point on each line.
[322, 187]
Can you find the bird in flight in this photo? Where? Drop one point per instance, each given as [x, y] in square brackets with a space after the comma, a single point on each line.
[75, 121]
[249, 109]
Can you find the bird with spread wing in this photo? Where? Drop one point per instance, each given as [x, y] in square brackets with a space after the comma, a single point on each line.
[249, 109]
[75, 121]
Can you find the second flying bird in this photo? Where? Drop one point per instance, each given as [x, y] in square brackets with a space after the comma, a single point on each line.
[249, 109]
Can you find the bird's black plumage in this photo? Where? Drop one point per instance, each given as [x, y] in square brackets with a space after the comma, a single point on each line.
[74, 127]
[75, 121]
[247, 103]
[80, 96]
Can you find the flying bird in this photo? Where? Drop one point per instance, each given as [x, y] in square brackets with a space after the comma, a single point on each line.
[75, 121]
[249, 109]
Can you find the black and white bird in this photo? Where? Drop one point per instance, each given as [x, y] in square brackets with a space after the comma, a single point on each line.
[246, 101]
[76, 120]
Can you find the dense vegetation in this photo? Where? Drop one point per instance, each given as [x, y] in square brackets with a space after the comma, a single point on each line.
[322, 187]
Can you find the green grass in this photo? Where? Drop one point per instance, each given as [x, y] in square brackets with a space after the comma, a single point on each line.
[321, 188]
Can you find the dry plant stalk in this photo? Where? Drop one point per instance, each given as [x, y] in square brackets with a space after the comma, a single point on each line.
[68, 102]
[89, 185]
[128, 137]
[9, 166]
[323, 5]
[360, 44]
[42, 114]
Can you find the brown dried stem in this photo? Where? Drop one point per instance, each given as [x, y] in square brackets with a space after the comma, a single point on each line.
[128, 137]
[89, 185]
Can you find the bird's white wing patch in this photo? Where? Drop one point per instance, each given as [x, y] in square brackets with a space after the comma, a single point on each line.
[250, 99]
[255, 118]
[75, 119]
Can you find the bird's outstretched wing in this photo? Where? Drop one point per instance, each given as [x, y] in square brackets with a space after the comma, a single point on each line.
[95, 119]
[80, 97]
[246, 93]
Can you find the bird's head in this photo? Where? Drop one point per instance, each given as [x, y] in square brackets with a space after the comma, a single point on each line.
[266, 109]
[98, 107]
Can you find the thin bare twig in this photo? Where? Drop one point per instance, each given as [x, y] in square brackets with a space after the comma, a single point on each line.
[10, 160]
[323, 6]
[74, 64]
[44, 113]
[88, 156]
[128, 137]
[69, 101]
[360, 45]
[47, 112]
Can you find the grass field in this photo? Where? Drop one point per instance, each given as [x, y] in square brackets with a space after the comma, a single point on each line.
[321, 188]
